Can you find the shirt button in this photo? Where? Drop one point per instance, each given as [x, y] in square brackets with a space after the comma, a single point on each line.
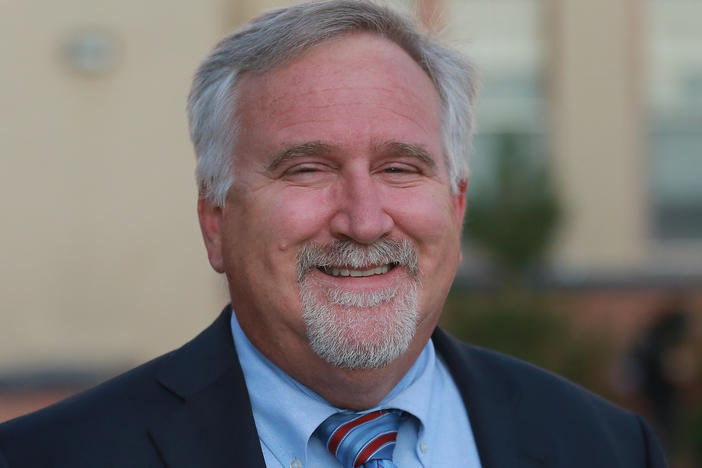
[296, 463]
[423, 446]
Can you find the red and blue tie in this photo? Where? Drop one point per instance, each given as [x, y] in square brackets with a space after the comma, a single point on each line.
[362, 440]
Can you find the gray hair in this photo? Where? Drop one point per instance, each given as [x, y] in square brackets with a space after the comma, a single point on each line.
[281, 35]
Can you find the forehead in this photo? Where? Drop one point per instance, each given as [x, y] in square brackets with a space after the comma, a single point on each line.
[356, 86]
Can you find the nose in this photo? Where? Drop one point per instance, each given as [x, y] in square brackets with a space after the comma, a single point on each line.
[361, 215]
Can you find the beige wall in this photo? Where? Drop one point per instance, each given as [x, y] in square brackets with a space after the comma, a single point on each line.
[596, 83]
[101, 259]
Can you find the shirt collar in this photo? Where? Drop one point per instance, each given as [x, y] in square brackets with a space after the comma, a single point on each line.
[287, 412]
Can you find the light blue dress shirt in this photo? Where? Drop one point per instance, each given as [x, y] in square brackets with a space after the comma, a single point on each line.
[286, 414]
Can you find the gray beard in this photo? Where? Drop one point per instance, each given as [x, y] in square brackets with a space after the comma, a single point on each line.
[360, 330]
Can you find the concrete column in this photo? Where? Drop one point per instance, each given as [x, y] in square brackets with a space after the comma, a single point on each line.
[596, 73]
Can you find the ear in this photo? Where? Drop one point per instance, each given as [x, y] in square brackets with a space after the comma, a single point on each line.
[210, 217]
[459, 207]
[459, 201]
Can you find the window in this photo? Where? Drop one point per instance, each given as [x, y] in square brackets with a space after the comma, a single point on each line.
[675, 124]
[502, 38]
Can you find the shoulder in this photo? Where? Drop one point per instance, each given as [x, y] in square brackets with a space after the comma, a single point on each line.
[118, 410]
[520, 380]
[113, 421]
[550, 394]
[544, 409]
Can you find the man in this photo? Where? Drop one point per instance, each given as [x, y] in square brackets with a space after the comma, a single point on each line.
[331, 139]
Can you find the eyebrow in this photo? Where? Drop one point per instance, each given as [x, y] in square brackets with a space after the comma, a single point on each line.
[319, 148]
[310, 148]
[407, 149]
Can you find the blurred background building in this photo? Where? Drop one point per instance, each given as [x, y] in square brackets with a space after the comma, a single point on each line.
[101, 263]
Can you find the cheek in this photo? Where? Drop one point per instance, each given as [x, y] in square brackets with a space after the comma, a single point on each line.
[263, 238]
[432, 223]
[296, 216]
[429, 218]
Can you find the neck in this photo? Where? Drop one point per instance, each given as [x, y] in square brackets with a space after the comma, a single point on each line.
[353, 389]
[356, 389]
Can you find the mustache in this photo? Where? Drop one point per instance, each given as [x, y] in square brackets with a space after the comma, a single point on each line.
[349, 254]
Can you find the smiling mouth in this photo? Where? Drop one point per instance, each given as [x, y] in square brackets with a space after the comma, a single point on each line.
[343, 272]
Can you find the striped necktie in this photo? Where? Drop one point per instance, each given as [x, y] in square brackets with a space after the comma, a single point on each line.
[362, 440]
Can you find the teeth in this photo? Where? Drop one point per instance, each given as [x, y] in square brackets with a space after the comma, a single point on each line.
[357, 273]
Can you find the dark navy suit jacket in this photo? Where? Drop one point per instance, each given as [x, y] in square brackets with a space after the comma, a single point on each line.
[190, 408]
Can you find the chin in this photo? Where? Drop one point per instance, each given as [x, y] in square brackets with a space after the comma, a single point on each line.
[359, 329]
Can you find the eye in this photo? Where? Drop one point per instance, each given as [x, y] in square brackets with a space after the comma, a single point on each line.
[307, 173]
[394, 170]
[304, 169]
[399, 169]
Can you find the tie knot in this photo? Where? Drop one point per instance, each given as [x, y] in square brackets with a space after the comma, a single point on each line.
[359, 438]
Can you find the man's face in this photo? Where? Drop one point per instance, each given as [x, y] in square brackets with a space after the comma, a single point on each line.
[340, 227]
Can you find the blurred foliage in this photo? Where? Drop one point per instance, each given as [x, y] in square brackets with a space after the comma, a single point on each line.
[693, 432]
[514, 213]
[537, 327]
[513, 216]
[526, 327]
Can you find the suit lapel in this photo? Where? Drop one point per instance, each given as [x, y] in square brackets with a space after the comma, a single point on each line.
[503, 437]
[213, 426]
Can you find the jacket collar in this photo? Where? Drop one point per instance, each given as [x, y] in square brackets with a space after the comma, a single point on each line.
[198, 432]
[207, 370]
[504, 436]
